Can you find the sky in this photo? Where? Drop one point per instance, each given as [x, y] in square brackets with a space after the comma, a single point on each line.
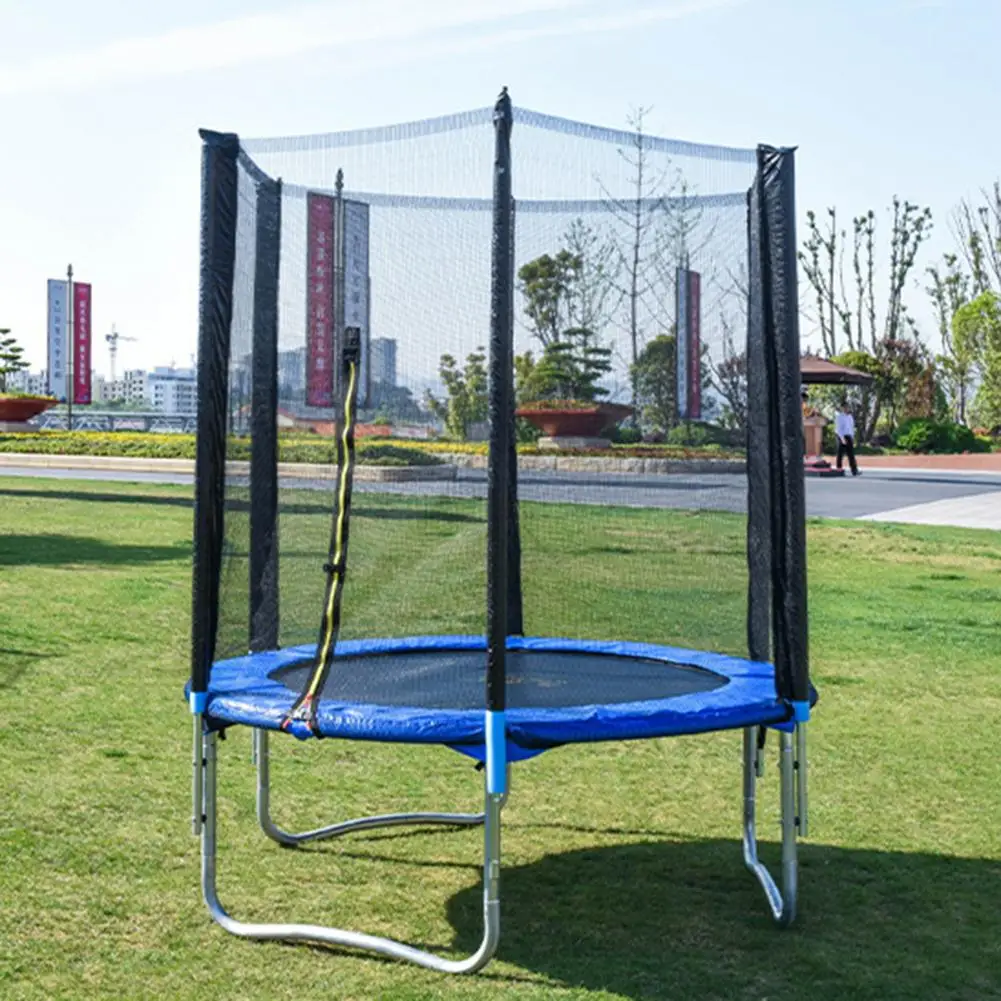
[100, 104]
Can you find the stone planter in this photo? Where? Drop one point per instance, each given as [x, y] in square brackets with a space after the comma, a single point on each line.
[16, 411]
[574, 427]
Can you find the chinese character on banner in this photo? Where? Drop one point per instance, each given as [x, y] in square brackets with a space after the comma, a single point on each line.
[320, 305]
[81, 342]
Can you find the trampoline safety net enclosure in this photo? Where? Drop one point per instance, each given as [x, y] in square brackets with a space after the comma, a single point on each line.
[439, 276]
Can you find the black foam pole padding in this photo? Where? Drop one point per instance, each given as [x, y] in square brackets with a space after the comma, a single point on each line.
[515, 611]
[264, 604]
[776, 180]
[759, 528]
[215, 313]
[501, 408]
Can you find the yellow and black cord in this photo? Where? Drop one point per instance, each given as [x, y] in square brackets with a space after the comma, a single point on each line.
[304, 708]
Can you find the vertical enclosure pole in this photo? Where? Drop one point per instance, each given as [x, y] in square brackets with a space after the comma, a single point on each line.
[264, 606]
[759, 534]
[777, 250]
[501, 426]
[215, 313]
[515, 612]
[776, 181]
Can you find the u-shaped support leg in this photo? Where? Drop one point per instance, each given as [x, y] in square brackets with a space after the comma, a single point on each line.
[792, 773]
[336, 936]
[276, 833]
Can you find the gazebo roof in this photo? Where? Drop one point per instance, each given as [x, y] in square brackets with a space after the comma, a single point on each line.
[816, 371]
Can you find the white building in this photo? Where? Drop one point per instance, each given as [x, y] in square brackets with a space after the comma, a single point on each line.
[172, 390]
[35, 383]
[134, 386]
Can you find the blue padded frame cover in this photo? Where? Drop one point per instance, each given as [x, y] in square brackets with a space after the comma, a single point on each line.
[241, 692]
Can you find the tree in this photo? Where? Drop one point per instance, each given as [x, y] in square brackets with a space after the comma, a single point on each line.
[548, 285]
[978, 231]
[949, 291]
[654, 377]
[977, 326]
[591, 294]
[569, 369]
[11, 358]
[393, 403]
[852, 317]
[641, 244]
[901, 363]
[467, 401]
[728, 377]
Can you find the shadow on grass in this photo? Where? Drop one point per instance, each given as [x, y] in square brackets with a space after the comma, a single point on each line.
[14, 663]
[67, 550]
[101, 498]
[658, 921]
[322, 507]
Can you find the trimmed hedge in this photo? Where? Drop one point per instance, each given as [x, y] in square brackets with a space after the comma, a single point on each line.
[313, 449]
[182, 446]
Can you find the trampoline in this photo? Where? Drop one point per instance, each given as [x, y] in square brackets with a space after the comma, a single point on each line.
[429, 690]
[506, 693]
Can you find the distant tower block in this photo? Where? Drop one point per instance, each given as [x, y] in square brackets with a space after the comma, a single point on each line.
[383, 356]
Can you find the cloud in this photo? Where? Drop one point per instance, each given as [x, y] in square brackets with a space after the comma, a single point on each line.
[299, 31]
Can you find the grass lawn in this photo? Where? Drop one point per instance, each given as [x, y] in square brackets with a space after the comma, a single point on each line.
[623, 876]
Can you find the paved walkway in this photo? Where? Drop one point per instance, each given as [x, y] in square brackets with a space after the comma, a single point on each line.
[978, 511]
[919, 494]
[979, 462]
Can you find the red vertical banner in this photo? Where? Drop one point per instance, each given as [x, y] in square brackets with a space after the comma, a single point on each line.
[81, 342]
[320, 301]
[695, 346]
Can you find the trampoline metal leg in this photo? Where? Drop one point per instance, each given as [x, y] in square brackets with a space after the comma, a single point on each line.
[338, 937]
[782, 902]
[273, 831]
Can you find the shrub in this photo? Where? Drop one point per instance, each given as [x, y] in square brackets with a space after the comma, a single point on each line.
[395, 455]
[696, 434]
[625, 435]
[920, 434]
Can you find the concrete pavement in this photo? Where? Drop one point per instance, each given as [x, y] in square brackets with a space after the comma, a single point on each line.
[919, 496]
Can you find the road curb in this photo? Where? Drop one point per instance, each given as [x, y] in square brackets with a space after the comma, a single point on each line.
[186, 467]
[453, 460]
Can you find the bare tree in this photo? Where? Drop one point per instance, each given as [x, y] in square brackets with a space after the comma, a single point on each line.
[728, 377]
[978, 231]
[823, 262]
[639, 218]
[592, 295]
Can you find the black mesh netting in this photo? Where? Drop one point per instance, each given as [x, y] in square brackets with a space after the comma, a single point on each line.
[390, 229]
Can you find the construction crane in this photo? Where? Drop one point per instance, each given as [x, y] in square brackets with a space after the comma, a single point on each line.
[113, 338]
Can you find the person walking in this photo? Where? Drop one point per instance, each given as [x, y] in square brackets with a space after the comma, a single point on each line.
[844, 428]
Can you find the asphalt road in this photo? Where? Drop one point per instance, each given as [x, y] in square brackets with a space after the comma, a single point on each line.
[902, 495]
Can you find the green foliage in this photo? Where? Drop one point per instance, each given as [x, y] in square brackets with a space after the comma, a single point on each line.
[569, 369]
[380, 454]
[625, 434]
[12, 394]
[393, 404]
[655, 379]
[977, 331]
[546, 284]
[903, 386]
[699, 434]
[467, 401]
[921, 434]
[11, 358]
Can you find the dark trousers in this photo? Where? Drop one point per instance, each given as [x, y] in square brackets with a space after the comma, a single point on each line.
[847, 447]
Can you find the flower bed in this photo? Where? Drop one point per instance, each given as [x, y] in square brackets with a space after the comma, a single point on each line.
[310, 449]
